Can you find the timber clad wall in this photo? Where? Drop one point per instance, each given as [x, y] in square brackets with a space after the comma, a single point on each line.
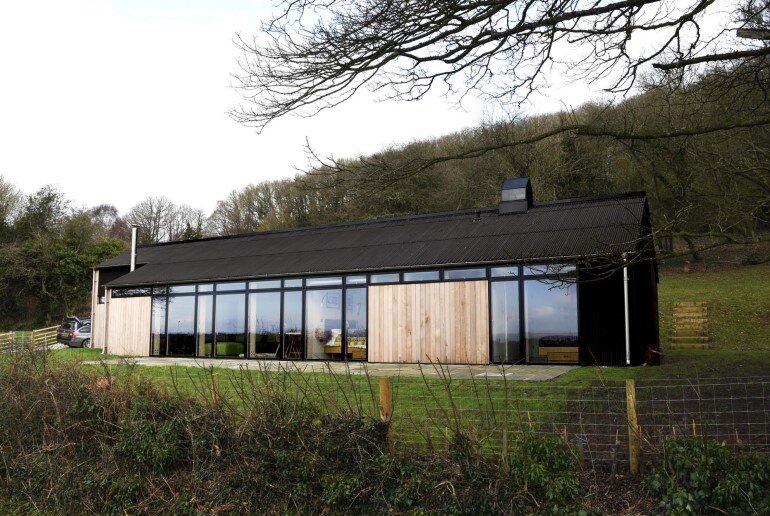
[422, 322]
[128, 331]
[98, 326]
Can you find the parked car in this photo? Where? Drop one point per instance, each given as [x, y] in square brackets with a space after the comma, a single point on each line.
[75, 332]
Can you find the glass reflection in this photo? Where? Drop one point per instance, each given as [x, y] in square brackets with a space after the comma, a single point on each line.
[181, 326]
[421, 276]
[292, 324]
[158, 325]
[265, 324]
[506, 340]
[323, 324]
[230, 325]
[205, 336]
[454, 274]
[355, 323]
[551, 317]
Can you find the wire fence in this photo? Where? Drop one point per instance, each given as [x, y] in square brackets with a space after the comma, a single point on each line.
[611, 423]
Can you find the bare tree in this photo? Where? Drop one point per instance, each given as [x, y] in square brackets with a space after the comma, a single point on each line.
[152, 215]
[185, 223]
[316, 54]
[10, 201]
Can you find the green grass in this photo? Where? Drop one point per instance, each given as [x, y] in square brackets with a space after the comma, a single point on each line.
[739, 319]
[738, 299]
[739, 323]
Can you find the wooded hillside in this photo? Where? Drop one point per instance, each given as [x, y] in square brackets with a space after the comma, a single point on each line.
[705, 189]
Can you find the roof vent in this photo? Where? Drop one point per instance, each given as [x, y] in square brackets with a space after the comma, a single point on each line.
[516, 196]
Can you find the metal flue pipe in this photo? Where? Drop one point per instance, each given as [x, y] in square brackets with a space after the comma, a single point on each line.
[134, 231]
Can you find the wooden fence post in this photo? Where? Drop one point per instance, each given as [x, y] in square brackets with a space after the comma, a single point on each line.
[504, 451]
[633, 427]
[386, 407]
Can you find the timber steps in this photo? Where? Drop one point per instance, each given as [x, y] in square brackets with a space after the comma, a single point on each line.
[690, 326]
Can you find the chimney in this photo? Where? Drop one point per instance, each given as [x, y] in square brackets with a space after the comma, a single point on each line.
[516, 196]
[134, 230]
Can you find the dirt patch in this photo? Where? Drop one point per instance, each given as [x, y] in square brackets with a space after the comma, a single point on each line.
[616, 494]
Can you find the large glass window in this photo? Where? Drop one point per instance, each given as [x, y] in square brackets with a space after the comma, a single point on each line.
[181, 325]
[355, 322]
[230, 325]
[205, 336]
[158, 327]
[292, 324]
[323, 324]
[506, 340]
[265, 324]
[551, 321]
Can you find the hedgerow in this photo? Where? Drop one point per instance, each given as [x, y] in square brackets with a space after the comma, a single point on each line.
[79, 442]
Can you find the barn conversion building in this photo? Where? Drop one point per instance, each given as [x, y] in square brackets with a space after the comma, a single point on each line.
[570, 281]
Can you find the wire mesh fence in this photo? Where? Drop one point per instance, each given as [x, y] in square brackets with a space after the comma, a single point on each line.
[610, 423]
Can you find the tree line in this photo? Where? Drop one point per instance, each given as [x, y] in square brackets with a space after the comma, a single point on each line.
[704, 189]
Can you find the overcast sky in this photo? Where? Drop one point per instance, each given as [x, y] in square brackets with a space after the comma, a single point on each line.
[115, 101]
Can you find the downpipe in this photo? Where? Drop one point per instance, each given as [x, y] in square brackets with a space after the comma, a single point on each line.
[625, 308]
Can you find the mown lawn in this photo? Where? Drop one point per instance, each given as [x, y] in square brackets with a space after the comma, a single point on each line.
[739, 322]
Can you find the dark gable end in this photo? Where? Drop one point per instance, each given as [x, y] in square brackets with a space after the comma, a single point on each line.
[548, 231]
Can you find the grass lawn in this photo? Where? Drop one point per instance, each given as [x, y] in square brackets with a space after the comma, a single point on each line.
[739, 321]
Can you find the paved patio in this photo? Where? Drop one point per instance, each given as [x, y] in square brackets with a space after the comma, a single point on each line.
[530, 373]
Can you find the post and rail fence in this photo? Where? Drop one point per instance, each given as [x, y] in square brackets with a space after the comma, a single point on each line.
[12, 341]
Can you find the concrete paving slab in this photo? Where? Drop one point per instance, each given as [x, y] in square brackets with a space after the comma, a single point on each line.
[528, 373]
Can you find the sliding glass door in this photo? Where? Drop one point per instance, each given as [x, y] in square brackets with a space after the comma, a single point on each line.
[230, 325]
[551, 321]
[506, 330]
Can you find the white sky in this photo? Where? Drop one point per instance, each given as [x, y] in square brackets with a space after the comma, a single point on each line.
[115, 101]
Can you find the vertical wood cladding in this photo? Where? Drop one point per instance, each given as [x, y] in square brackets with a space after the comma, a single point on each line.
[424, 322]
[128, 328]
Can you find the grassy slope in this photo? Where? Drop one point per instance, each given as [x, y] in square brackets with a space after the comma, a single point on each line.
[739, 319]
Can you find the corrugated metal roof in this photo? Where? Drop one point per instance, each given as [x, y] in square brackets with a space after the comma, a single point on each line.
[577, 227]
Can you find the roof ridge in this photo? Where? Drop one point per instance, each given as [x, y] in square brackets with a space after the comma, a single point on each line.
[398, 218]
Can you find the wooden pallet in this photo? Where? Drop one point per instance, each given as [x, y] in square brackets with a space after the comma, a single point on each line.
[691, 327]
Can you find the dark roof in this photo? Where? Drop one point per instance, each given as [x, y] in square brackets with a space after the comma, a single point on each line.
[552, 230]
